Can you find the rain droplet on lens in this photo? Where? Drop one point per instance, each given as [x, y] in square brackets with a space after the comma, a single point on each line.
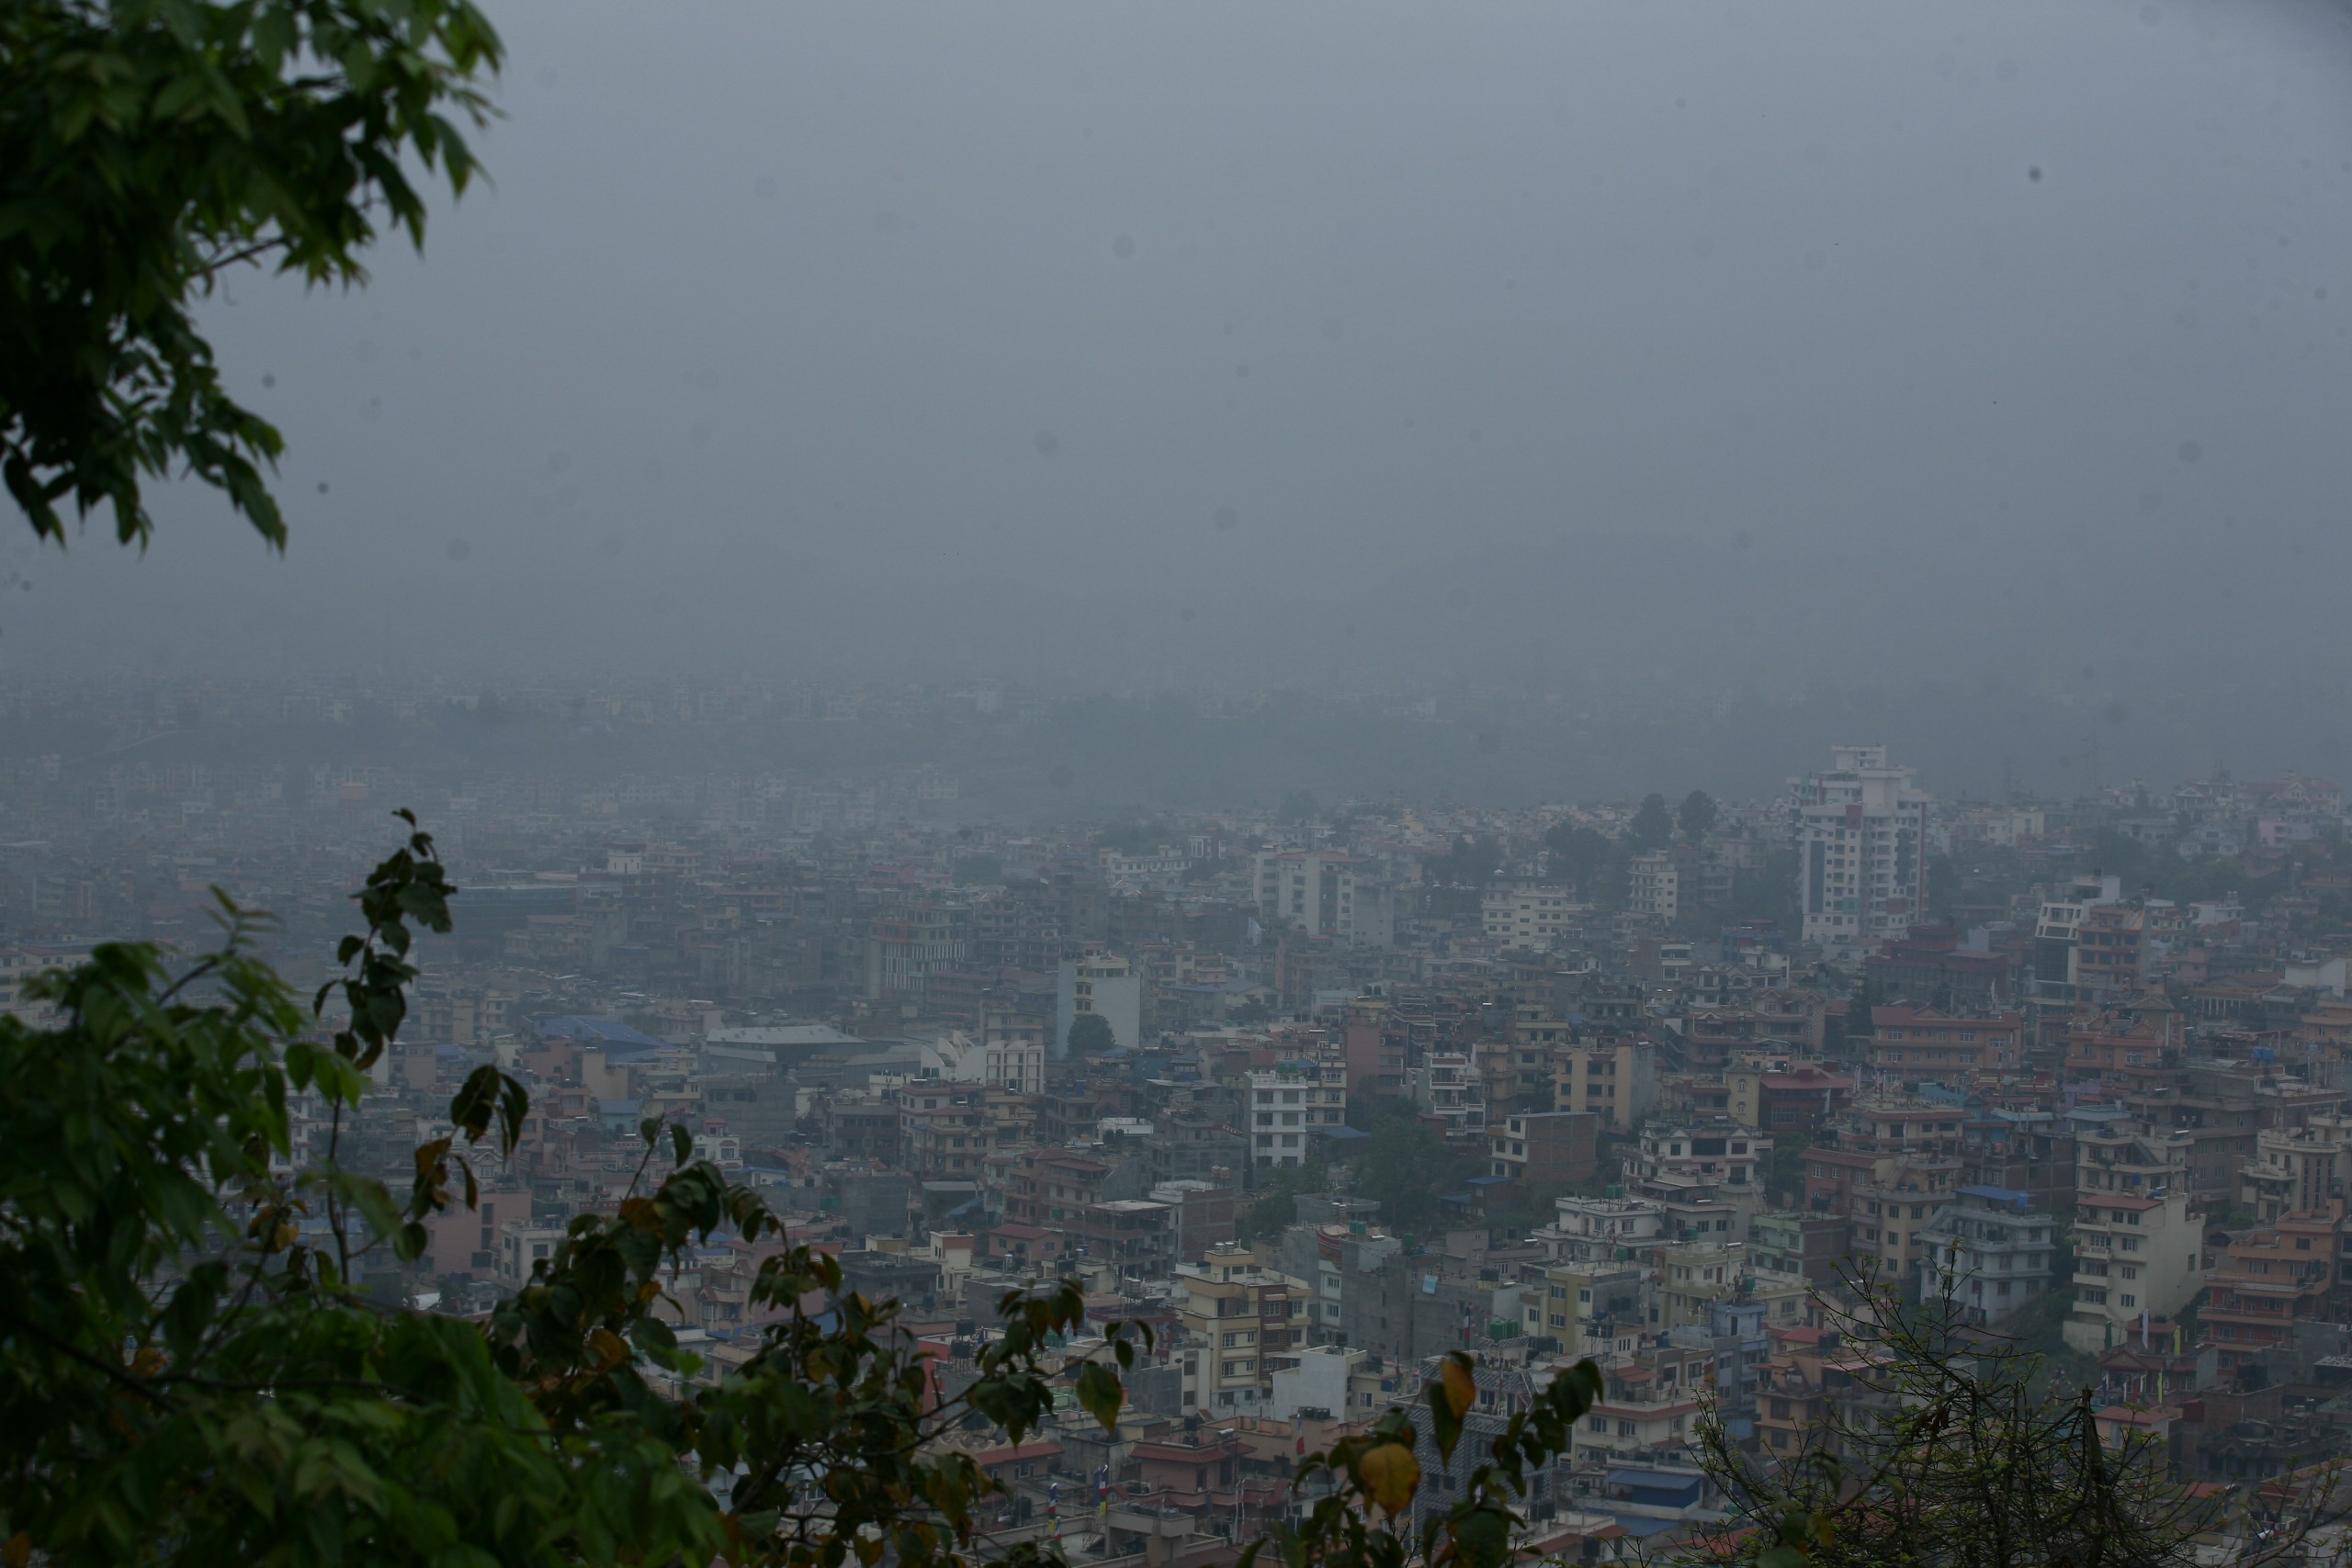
[458, 549]
[323, 487]
[2034, 173]
[269, 380]
[1046, 443]
[1124, 247]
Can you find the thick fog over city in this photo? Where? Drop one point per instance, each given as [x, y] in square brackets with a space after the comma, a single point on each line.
[1046, 785]
[1982, 360]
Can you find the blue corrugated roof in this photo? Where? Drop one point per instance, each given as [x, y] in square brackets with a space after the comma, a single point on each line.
[2009, 1195]
[1655, 1480]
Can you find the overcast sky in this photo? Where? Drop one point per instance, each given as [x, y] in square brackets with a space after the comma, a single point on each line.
[1340, 345]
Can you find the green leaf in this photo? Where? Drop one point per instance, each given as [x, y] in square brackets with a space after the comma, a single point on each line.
[1450, 1395]
[1100, 1394]
[1390, 1475]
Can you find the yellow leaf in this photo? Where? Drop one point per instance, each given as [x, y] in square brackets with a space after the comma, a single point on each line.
[18, 1552]
[1392, 1475]
[1461, 1388]
[609, 1349]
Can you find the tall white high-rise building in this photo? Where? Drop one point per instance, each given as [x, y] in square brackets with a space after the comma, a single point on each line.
[1861, 837]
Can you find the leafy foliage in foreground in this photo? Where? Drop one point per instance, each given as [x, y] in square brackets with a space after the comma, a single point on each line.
[146, 146]
[1947, 1449]
[189, 1375]
[1375, 1476]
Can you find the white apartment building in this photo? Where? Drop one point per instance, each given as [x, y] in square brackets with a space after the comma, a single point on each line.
[1861, 837]
[2058, 932]
[1990, 1250]
[1288, 1107]
[1309, 891]
[1012, 1053]
[1530, 918]
[1657, 891]
[1103, 984]
[2133, 1256]
[1449, 1083]
[1592, 1230]
[1719, 1153]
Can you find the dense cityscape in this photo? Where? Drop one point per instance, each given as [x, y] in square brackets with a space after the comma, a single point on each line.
[1179, 786]
[1325, 1089]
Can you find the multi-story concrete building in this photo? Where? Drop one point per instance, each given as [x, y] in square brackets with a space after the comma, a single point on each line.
[2273, 1278]
[1693, 1275]
[1604, 1230]
[1650, 1407]
[1289, 1107]
[1989, 1252]
[2135, 1258]
[908, 946]
[1531, 918]
[1545, 1149]
[1104, 985]
[1861, 834]
[1715, 1153]
[1895, 1164]
[1448, 1085]
[1810, 1246]
[1612, 1075]
[1238, 1323]
[2298, 1170]
[1312, 892]
[1564, 1297]
[1656, 890]
[2057, 933]
[1914, 1044]
[1780, 1097]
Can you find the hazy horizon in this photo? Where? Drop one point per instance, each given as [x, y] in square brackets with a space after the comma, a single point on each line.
[1977, 356]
